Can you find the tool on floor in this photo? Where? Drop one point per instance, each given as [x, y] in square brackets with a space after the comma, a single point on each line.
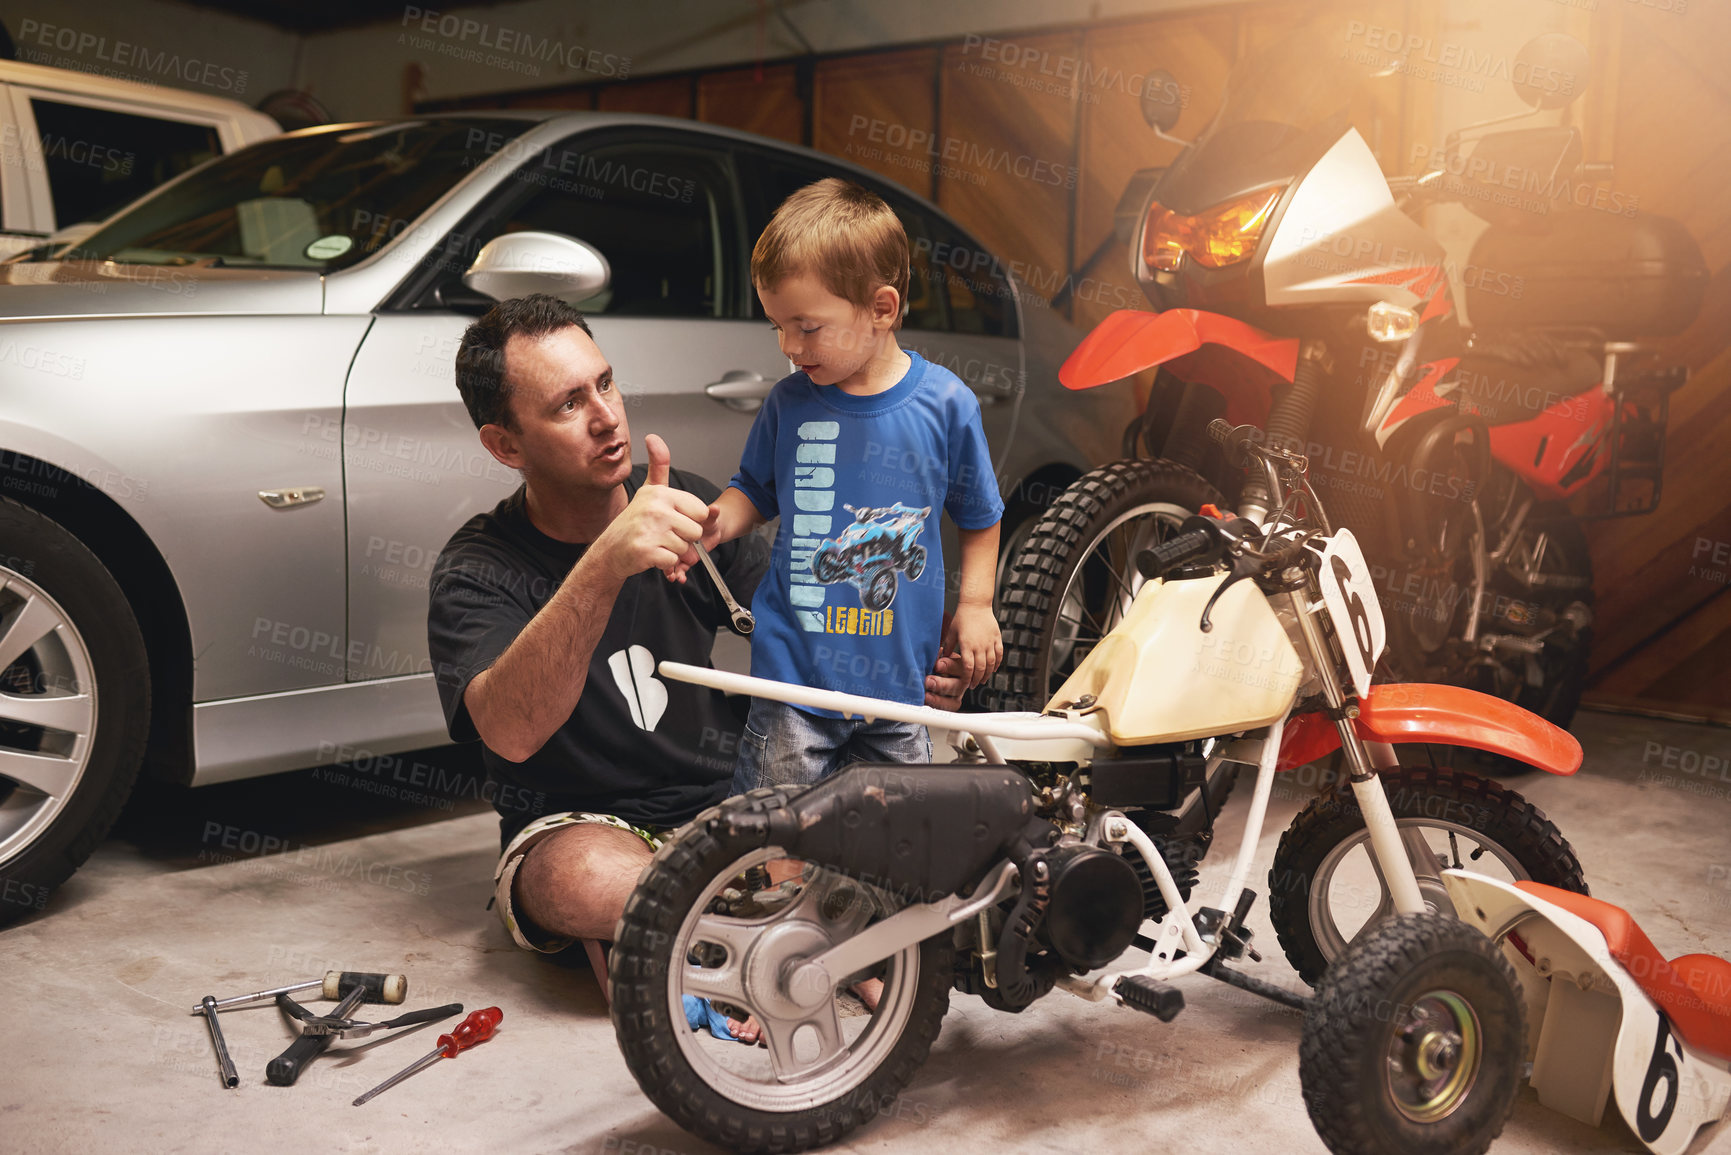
[477, 1028]
[743, 622]
[283, 1070]
[380, 988]
[346, 1028]
[224, 1064]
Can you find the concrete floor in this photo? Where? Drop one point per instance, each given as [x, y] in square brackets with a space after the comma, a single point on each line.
[179, 903]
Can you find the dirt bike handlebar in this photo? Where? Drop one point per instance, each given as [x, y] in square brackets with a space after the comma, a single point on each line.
[1192, 545]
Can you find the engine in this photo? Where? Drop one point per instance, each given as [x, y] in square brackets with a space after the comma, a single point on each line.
[1095, 908]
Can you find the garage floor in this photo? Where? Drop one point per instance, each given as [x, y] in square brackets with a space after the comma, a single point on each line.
[180, 903]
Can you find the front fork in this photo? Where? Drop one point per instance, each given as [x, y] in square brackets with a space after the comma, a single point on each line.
[1363, 760]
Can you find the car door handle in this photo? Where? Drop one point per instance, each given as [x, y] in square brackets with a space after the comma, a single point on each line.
[740, 389]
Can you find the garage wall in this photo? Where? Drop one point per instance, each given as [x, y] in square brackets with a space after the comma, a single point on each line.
[1665, 622]
[999, 132]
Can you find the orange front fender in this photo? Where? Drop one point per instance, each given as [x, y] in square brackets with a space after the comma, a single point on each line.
[1445, 715]
[1238, 360]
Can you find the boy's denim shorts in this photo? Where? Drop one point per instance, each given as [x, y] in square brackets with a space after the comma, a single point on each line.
[783, 745]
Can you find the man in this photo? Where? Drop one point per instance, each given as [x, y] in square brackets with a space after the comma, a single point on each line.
[549, 614]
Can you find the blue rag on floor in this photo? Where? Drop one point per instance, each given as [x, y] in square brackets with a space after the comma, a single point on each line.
[700, 1014]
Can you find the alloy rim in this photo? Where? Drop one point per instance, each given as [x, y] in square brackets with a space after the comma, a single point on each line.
[813, 1054]
[47, 711]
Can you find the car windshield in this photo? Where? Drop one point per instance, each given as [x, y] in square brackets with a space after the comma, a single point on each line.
[320, 199]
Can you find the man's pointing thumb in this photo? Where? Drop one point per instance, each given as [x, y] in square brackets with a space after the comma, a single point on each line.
[659, 460]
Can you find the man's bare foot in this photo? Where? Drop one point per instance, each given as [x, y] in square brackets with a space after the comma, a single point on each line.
[869, 992]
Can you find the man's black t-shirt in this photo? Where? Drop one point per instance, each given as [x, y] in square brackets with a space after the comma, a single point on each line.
[654, 752]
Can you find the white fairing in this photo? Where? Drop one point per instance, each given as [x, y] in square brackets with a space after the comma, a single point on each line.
[1593, 1029]
[1342, 227]
[1158, 677]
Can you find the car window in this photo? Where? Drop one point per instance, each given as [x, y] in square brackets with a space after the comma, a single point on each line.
[660, 213]
[954, 285]
[97, 160]
[319, 199]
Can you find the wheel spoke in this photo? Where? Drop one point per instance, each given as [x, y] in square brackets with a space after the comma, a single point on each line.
[779, 1035]
[1087, 618]
[70, 712]
[33, 622]
[1129, 594]
[46, 773]
[728, 980]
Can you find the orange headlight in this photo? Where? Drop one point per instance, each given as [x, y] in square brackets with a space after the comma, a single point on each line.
[1215, 237]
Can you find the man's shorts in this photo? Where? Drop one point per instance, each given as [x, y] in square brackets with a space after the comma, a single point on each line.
[523, 932]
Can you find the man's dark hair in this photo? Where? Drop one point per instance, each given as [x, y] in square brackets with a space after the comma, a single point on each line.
[481, 356]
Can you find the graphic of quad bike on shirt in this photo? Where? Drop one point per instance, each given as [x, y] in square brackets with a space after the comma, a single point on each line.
[868, 553]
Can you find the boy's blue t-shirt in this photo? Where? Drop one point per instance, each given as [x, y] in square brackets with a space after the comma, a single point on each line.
[854, 597]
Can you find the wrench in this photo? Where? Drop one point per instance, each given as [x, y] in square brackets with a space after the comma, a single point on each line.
[743, 622]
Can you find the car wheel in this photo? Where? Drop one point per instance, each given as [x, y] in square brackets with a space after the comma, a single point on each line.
[74, 706]
[915, 562]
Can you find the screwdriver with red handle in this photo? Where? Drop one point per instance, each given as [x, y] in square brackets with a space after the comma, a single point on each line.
[477, 1028]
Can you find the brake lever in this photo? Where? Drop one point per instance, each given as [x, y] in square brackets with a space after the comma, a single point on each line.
[1244, 565]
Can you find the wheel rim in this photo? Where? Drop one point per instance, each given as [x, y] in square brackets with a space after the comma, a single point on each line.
[813, 1056]
[47, 711]
[1434, 1057]
[1348, 886]
[1103, 584]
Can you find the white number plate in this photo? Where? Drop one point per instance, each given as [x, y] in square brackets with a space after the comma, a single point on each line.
[1350, 596]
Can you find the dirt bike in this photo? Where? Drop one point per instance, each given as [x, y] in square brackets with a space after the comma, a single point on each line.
[1297, 291]
[1061, 845]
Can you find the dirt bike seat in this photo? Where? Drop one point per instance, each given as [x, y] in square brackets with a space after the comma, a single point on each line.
[1694, 989]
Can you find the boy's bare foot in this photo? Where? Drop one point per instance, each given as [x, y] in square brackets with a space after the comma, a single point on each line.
[750, 1031]
[747, 1032]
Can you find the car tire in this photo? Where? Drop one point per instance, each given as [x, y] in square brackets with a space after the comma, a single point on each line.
[915, 563]
[67, 634]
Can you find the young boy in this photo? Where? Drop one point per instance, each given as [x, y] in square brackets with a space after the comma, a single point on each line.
[856, 451]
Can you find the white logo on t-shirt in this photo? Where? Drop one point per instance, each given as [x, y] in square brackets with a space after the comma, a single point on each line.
[634, 673]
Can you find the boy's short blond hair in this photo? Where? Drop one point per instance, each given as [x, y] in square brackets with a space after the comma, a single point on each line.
[843, 234]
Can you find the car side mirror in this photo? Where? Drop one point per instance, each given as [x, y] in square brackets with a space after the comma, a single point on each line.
[1550, 70]
[517, 264]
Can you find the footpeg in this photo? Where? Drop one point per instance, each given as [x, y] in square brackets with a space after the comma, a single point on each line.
[1159, 999]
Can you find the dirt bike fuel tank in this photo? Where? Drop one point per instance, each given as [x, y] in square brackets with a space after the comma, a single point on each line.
[1158, 677]
[1627, 276]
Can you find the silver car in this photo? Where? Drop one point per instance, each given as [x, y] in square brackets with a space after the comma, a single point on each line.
[231, 445]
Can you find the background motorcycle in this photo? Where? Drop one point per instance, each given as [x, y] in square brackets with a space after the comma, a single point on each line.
[1300, 293]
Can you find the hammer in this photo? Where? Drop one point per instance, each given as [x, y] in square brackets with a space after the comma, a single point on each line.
[376, 988]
